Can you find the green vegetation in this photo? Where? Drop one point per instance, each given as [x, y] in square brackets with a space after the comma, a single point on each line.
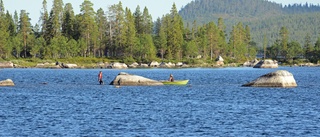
[265, 19]
[119, 34]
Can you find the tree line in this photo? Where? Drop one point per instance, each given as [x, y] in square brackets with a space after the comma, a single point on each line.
[285, 50]
[265, 19]
[122, 34]
[116, 33]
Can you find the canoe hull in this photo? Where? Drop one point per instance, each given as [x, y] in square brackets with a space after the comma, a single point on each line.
[176, 82]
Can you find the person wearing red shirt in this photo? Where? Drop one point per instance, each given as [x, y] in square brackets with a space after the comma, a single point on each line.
[100, 78]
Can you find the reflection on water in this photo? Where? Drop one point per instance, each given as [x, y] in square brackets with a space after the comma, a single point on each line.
[59, 102]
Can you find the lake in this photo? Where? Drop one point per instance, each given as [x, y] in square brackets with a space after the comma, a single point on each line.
[69, 102]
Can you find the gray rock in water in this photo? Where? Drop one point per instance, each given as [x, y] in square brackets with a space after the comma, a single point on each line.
[251, 63]
[154, 64]
[125, 79]
[70, 65]
[266, 64]
[7, 82]
[118, 65]
[6, 65]
[280, 78]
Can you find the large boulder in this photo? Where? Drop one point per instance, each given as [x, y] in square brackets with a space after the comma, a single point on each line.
[125, 79]
[219, 61]
[70, 65]
[133, 65]
[251, 63]
[101, 65]
[143, 65]
[154, 64]
[48, 65]
[7, 82]
[179, 64]
[266, 64]
[280, 78]
[166, 65]
[119, 65]
[6, 65]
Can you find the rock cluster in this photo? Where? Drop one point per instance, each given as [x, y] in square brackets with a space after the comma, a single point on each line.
[153, 64]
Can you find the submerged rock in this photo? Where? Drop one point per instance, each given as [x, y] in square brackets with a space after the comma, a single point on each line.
[125, 79]
[7, 82]
[280, 78]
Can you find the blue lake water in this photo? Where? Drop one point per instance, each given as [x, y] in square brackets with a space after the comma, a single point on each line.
[69, 102]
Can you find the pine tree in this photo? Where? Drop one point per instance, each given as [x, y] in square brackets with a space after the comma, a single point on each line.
[284, 36]
[138, 20]
[147, 23]
[308, 47]
[202, 41]
[68, 22]
[88, 26]
[25, 30]
[213, 35]
[148, 48]
[116, 31]
[44, 17]
[247, 40]
[157, 26]
[130, 34]
[237, 42]
[222, 37]
[102, 27]
[2, 7]
[294, 49]
[163, 41]
[175, 37]
[16, 21]
[4, 34]
[57, 17]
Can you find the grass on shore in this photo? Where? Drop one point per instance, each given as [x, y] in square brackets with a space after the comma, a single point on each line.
[83, 62]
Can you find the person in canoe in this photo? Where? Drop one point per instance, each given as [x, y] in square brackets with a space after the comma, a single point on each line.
[171, 78]
[100, 78]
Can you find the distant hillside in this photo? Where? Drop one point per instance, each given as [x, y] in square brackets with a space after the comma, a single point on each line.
[263, 17]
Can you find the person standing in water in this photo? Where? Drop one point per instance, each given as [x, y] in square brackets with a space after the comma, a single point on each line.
[171, 78]
[100, 78]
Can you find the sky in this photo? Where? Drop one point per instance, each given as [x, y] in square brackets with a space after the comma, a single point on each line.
[156, 8]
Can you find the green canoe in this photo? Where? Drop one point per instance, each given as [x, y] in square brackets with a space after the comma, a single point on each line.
[176, 82]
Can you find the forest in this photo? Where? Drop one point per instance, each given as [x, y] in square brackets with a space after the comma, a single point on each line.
[265, 19]
[133, 36]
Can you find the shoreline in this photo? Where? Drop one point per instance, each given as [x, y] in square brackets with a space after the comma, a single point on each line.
[117, 65]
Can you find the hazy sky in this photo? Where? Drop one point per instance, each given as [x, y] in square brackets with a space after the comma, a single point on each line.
[156, 8]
